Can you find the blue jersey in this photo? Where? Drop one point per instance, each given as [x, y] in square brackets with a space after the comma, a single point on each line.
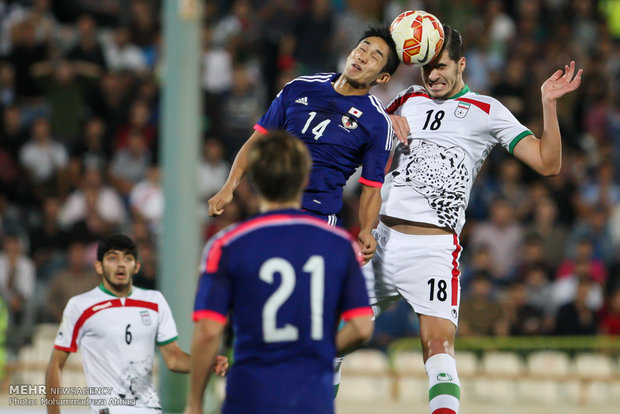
[341, 132]
[286, 279]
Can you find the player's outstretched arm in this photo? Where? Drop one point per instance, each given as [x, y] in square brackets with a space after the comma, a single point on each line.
[222, 198]
[52, 377]
[176, 360]
[354, 333]
[205, 342]
[545, 155]
[370, 204]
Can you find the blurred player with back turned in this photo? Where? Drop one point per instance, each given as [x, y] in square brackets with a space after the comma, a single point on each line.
[286, 278]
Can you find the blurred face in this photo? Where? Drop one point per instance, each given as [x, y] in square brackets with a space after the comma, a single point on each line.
[365, 63]
[117, 269]
[443, 77]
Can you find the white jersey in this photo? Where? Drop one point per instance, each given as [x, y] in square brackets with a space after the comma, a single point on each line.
[117, 338]
[431, 179]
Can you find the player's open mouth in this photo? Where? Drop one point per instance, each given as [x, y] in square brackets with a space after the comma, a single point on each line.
[356, 66]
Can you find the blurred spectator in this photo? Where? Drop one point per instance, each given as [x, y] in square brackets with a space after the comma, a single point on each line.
[564, 290]
[8, 94]
[147, 198]
[593, 225]
[17, 288]
[76, 277]
[43, 158]
[88, 51]
[481, 314]
[241, 109]
[575, 317]
[313, 31]
[143, 24]
[130, 163]
[65, 85]
[480, 262]
[139, 122]
[213, 169]
[610, 315]
[533, 256]
[12, 134]
[48, 241]
[549, 231]
[26, 51]
[601, 191]
[147, 277]
[94, 202]
[110, 101]
[503, 236]
[538, 289]
[121, 54]
[523, 317]
[94, 150]
[583, 254]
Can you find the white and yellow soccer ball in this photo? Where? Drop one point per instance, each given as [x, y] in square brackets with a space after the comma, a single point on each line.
[418, 36]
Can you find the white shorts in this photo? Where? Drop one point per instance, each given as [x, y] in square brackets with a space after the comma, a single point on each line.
[423, 269]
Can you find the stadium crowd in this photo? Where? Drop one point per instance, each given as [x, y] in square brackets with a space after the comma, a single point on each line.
[80, 85]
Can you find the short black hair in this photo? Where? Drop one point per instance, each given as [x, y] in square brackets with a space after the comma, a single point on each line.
[278, 166]
[384, 33]
[453, 42]
[118, 242]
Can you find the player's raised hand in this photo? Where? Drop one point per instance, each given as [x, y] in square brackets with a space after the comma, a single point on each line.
[220, 365]
[368, 245]
[401, 127]
[561, 83]
[220, 200]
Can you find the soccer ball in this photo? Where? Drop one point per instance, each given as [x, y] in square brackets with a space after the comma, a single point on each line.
[418, 36]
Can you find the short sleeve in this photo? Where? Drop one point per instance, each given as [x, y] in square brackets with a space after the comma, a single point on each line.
[275, 116]
[355, 300]
[69, 335]
[505, 127]
[213, 296]
[167, 328]
[377, 153]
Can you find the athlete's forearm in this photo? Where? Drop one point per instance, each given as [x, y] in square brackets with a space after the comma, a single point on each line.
[52, 378]
[550, 139]
[370, 204]
[240, 164]
[204, 348]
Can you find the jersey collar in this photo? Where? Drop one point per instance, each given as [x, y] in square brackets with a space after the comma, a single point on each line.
[105, 290]
[461, 93]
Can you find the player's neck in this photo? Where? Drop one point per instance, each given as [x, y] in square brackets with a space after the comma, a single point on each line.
[344, 87]
[266, 205]
[121, 293]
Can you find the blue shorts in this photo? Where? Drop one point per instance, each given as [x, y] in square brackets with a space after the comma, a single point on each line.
[333, 220]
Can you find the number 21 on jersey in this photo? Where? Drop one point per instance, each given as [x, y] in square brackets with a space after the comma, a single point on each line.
[316, 267]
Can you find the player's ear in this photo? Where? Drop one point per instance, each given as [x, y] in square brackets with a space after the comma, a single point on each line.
[138, 264]
[99, 267]
[383, 78]
[461, 64]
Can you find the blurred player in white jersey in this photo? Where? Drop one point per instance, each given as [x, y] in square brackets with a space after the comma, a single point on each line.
[116, 326]
[450, 131]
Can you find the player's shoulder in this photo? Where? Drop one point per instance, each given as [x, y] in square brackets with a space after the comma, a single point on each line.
[149, 295]
[406, 95]
[83, 301]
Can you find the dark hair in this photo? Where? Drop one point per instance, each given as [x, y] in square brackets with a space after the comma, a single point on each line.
[453, 41]
[278, 165]
[118, 242]
[384, 33]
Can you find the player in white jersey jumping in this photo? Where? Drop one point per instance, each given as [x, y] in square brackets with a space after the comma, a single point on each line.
[450, 130]
[116, 326]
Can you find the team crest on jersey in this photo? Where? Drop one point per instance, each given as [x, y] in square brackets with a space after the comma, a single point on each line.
[462, 109]
[349, 122]
[146, 318]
